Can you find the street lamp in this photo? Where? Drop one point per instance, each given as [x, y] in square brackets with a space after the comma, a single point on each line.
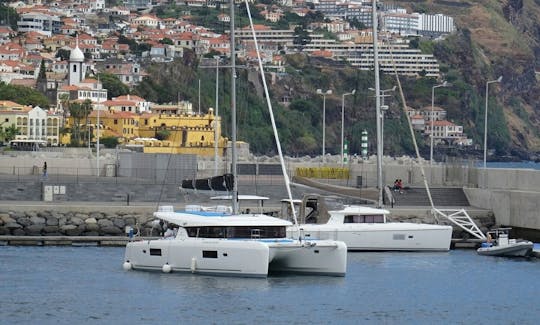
[320, 92]
[485, 118]
[444, 84]
[216, 133]
[343, 119]
[384, 108]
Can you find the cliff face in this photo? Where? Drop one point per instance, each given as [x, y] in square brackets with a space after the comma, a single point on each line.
[498, 38]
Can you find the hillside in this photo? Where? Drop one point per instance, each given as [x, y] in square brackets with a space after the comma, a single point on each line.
[497, 38]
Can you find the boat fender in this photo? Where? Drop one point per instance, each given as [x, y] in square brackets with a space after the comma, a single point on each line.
[127, 266]
[193, 264]
[166, 268]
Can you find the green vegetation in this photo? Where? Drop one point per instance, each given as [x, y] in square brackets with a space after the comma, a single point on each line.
[23, 95]
[8, 16]
[114, 86]
[109, 142]
[8, 133]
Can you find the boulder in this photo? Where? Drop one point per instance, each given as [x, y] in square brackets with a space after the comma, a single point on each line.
[50, 229]
[12, 225]
[24, 221]
[34, 230]
[111, 230]
[90, 220]
[96, 215]
[65, 228]
[91, 226]
[118, 222]
[74, 232]
[6, 218]
[38, 220]
[76, 221]
[18, 232]
[52, 221]
[103, 223]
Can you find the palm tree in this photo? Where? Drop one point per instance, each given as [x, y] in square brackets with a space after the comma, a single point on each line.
[64, 105]
[79, 111]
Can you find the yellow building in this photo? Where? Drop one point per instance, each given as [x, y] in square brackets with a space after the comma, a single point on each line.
[158, 133]
[186, 133]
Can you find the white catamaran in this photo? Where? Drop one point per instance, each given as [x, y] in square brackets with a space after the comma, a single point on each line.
[225, 243]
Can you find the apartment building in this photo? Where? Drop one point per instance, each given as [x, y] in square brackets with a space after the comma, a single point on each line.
[39, 22]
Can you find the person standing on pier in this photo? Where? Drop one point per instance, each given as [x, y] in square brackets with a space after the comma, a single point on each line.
[45, 170]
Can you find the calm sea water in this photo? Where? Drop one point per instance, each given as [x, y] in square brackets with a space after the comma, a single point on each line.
[522, 164]
[87, 285]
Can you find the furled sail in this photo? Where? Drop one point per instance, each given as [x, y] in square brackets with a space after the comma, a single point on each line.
[216, 183]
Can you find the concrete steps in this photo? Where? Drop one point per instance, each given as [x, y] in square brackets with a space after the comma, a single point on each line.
[442, 197]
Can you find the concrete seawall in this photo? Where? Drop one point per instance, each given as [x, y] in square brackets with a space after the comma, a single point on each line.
[512, 194]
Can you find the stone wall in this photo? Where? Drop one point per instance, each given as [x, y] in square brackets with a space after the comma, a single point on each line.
[54, 223]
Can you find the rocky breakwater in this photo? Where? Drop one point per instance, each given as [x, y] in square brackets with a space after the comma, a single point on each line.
[54, 223]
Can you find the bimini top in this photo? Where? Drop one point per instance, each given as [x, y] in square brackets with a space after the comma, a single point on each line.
[360, 210]
[188, 219]
[240, 198]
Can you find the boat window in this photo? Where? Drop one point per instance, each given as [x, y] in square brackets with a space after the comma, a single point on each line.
[376, 218]
[155, 251]
[399, 237]
[237, 232]
[209, 254]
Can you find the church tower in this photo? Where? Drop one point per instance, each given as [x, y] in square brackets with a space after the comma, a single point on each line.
[76, 65]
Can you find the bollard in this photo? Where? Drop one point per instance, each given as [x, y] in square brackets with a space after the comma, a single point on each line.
[127, 198]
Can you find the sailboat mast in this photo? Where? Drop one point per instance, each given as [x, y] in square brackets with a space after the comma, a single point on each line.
[377, 103]
[233, 114]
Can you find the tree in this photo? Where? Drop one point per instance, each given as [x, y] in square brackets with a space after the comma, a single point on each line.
[9, 16]
[79, 111]
[63, 54]
[163, 134]
[114, 86]
[109, 142]
[166, 40]
[23, 95]
[7, 134]
[64, 105]
[301, 36]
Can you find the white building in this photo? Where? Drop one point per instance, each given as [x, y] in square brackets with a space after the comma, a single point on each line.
[39, 22]
[436, 24]
[37, 124]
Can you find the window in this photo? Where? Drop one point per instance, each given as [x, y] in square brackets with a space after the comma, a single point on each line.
[155, 251]
[209, 254]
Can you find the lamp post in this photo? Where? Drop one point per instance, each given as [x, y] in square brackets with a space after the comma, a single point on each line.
[320, 92]
[384, 108]
[216, 134]
[485, 118]
[444, 84]
[343, 119]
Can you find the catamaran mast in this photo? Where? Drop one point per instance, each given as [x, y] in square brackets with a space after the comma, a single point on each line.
[377, 104]
[233, 114]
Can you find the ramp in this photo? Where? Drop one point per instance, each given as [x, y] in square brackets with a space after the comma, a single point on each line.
[367, 194]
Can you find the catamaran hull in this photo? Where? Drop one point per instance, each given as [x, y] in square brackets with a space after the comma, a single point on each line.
[204, 256]
[309, 257]
[519, 249]
[377, 238]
